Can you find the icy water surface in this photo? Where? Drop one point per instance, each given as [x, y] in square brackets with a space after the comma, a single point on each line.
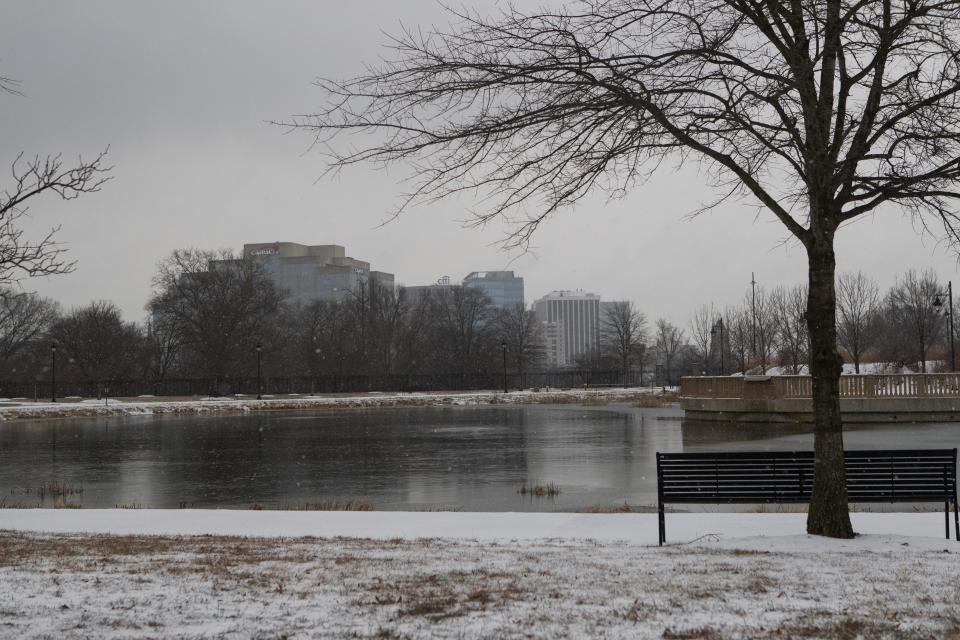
[470, 458]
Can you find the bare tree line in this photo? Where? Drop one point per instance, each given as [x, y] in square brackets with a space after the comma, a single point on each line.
[907, 328]
[210, 309]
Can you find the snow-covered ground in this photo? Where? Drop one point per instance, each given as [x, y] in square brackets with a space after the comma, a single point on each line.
[467, 575]
[14, 409]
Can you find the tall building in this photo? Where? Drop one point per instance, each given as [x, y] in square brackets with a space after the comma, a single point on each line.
[310, 273]
[503, 288]
[417, 292]
[573, 319]
[554, 345]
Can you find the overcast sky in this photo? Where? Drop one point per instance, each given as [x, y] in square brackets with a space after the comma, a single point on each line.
[182, 92]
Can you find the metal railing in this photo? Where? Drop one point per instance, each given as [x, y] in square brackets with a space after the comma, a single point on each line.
[914, 385]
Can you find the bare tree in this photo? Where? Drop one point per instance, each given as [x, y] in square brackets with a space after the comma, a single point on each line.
[32, 178]
[99, 343]
[858, 301]
[817, 112]
[520, 329]
[670, 340]
[739, 335]
[623, 331]
[701, 324]
[24, 317]
[163, 344]
[463, 330]
[221, 306]
[912, 300]
[763, 327]
[790, 316]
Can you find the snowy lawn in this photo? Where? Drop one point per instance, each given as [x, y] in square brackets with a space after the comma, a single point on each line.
[900, 583]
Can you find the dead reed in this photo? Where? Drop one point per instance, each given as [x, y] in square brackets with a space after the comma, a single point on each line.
[58, 489]
[353, 504]
[549, 490]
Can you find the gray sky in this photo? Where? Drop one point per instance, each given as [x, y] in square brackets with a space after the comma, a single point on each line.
[181, 92]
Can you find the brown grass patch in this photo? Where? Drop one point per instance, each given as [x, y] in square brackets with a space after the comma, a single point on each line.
[703, 633]
[845, 629]
[609, 508]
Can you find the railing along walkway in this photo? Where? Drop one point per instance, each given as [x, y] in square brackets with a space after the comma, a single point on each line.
[915, 385]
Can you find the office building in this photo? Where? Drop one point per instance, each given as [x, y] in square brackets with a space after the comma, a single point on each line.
[503, 288]
[420, 291]
[310, 273]
[573, 317]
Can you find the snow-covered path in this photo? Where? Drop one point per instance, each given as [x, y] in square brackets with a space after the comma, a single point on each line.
[631, 528]
[474, 576]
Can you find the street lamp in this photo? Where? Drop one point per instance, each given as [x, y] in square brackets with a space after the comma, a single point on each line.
[503, 345]
[53, 372]
[938, 302]
[718, 328]
[259, 386]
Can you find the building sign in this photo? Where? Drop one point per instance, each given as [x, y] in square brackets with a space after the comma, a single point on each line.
[266, 251]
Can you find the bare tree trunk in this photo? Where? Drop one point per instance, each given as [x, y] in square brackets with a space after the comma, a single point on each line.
[829, 513]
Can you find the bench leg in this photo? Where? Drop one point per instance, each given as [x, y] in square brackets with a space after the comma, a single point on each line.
[956, 520]
[946, 517]
[662, 529]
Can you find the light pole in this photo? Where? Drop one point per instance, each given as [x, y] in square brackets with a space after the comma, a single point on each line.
[503, 345]
[938, 302]
[718, 328]
[53, 372]
[259, 386]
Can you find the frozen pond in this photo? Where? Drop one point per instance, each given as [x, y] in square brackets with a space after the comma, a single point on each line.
[470, 458]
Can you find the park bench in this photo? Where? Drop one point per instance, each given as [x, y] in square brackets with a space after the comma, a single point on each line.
[786, 477]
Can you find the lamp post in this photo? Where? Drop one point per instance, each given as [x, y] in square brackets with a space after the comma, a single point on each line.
[53, 372]
[503, 345]
[718, 328]
[259, 386]
[938, 302]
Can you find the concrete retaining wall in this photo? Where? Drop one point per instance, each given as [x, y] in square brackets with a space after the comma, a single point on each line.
[799, 410]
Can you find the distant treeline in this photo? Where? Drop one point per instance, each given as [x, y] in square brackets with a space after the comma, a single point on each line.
[208, 312]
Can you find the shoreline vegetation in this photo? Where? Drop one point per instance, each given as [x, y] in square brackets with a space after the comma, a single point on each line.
[21, 409]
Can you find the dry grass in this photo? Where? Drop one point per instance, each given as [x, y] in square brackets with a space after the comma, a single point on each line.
[60, 503]
[353, 504]
[75, 586]
[548, 490]
[609, 508]
[780, 508]
[58, 489]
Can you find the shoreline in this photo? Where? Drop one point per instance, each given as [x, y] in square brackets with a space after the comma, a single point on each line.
[230, 405]
[750, 530]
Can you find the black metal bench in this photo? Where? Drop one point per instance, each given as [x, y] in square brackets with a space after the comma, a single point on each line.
[784, 477]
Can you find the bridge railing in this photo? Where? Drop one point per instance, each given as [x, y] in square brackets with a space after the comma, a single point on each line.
[913, 385]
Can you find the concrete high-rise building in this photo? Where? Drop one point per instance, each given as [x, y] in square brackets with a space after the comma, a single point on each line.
[554, 345]
[503, 288]
[310, 273]
[573, 318]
